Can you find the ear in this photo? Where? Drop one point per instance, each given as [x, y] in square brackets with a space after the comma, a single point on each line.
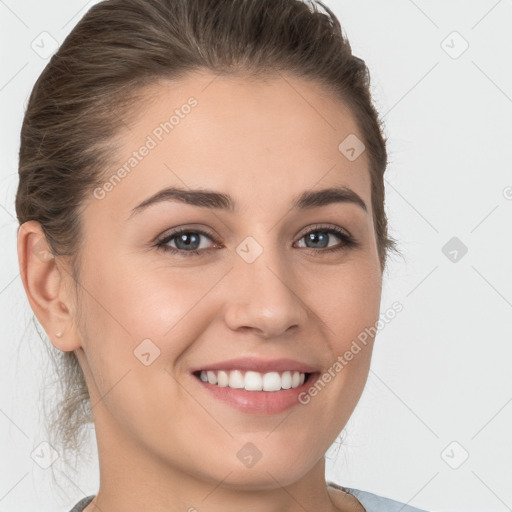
[46, 284]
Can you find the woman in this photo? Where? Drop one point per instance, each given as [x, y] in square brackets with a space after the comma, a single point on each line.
[203, 236]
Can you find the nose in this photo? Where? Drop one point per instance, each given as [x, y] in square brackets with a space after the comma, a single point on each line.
[262, 297]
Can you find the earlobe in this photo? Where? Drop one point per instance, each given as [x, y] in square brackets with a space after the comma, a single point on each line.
[45, 285]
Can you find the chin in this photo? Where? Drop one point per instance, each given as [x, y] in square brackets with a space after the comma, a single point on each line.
[264, 478]
[265, 469]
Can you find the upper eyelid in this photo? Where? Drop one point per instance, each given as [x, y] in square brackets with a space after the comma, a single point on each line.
[318, 227]
[177, 231]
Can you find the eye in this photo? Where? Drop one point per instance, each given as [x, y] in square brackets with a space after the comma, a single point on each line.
[320, 236]
[188, 241]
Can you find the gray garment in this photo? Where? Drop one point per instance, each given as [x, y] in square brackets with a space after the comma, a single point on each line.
[371, 502]
[82, 504]
[374, 503]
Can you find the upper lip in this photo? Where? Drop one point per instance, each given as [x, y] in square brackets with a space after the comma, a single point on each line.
[259, 365]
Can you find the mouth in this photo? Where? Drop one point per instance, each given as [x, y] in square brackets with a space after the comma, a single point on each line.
[253, 392]
[255, 385]
[253, 381]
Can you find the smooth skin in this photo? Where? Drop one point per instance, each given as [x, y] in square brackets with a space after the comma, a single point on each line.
[164, 443]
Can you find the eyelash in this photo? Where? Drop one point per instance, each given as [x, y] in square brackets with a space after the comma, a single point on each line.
[348, 241]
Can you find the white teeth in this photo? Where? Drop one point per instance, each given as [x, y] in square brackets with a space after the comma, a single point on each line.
[222, 379]
[236, 379]
[286, 380]
[271, 381]
[254, 381]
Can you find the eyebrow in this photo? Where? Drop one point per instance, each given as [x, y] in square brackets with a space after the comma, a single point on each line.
[205, 198]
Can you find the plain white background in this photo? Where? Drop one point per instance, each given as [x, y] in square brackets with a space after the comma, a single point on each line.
[433, 425]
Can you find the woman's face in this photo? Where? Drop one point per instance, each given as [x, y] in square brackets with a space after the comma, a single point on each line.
[263, 284]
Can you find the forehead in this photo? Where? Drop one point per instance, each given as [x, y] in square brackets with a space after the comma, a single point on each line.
[253, 139]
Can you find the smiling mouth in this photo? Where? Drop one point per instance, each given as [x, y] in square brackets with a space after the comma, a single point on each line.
[253, 381]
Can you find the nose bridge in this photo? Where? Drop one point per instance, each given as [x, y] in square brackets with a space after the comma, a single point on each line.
[264, 298]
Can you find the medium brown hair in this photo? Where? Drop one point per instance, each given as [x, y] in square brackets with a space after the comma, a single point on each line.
[96, 78]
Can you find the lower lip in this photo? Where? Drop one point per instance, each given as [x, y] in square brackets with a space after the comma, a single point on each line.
[258, 402]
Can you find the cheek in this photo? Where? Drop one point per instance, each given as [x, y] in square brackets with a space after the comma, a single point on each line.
[128, 313]
[131, 358]
[346, 299]
[145, 301]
